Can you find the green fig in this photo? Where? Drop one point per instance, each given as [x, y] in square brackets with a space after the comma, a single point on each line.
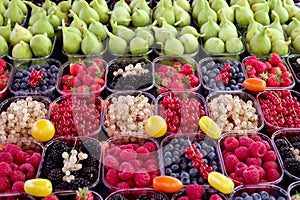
[71, 39]
[243, 3]
[77, 22]
[296, 44]
[19, 33]
[140, 18]
[290, 2]
[214, 45]
[291, 9]
[173, 46]
[134, 3]
[2, 7]
[1, 20]
[21, 50]
[252, 32]
[260, 44]
[281, 12]
[145, 34]
[182, 19]
[138, 45]
[14, 13]
[228, 12]
[233, 2]
[143, 5]
[100, 2]
[218, 5]
[77, 5]
[5, 3]
[47, 4]
[209, 29]
[190, 43]
[295, 32]
[281, 47]
[65, 6]
[168, 26]
[259, 26]
[184, 4]
[191, 30]
[159, 10]
[234, 45]
[33, 18]
[87, 13]
[123, 32]
[121, 16]
[102, 11]
[227, 30]
[5, 31]
[198, 8]
[205, 13]
[60, 14]
[21, 5]
[262, 16]
[168, 15]
[274, 34]
[252, 2]
[260, 6]
[41, 45]
[90, 43]
[116, 44]
[54, 20]
[276, 22]
[122, 3]
[242, 15]
[3, 46]
[162, 34]
[292, 25]
[41, 26]
[98, 29]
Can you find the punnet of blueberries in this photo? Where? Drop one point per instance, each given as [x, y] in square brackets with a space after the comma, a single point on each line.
[263, 195]
[36, 78]
[222, 74]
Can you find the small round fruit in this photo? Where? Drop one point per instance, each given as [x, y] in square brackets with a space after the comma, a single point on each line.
[38, 187]
[167, 184]
[156, 126]
[43, 130]
[209, 127]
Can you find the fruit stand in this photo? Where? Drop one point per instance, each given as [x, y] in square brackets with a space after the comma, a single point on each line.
[149, 99]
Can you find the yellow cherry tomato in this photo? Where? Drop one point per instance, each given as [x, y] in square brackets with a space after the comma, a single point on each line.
[209, 127]
[38, 187]
[220, 182]
[156, 126]
[43, 130]
[167, 184]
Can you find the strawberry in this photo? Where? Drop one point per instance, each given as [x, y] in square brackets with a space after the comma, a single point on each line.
[77, 82]
[268, 65]
[51, 197]
[2, 69]
[263, 76]
[2, 84]
[67, 91]
[286, 82]
[178, 76]
[66, 87]
[275, 71]
[272, 81]
[71, 82]
[250, 61]
[87, 79]
[84, 194]
[285, 74]
[5, 77]
[163, 68]
[74, 68]
[65, 79]
[176, 65]
[2, 63]
[194, 80]
[83, 89]
[166, 82]
[161, 75]
[250, 70]
[92, 70]
[95, 88]
[252, 76]
[275, 59]
[176, 85]
[260, 67]
[282, 67]
[186, 69]
[81, 74]
[99, 81]
[98, 62]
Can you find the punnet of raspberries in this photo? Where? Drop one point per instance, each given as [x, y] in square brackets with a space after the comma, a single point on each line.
[273, 70]
[18, 163]
[195, 191]
[250, 159]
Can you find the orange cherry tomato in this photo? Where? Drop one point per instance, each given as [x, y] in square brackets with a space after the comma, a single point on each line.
[167, 184]
[255, 84]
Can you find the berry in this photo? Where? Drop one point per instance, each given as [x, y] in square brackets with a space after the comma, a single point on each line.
[52, 197]
[239, 168]
[126, 171]
[142, 153]
[273, 81]
[215, 197]
[254, 161]
[6, 157]
[74, 68]
[262, 172]
[111, 162]
[183, 198]
[27, 169]
[150, 146]
[272, 175]
[34, 160]
[141, 178]
[17, 176]
[241, 153]
[136, 163]
[251, 175]
[112, 177]
[230, 163]
[257, 149]
[18, 186]
[12, 148]
[275, 59]
[5, 169]
[194, 191]
[123, 185]
[21, 157]
[128, 154]
[270, 156]
[245, 141]
[231, 143]
[4, 184]
[270, 165]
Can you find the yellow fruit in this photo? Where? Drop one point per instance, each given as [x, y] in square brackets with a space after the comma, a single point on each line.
[156, 126]
[42, 130]
[38, 187]
[220, 182]
[209, 127]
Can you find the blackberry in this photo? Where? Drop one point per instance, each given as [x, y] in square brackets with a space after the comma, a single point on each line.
[57, 149]
[143, 197]
[295, 139]
[79, 182]
[296, 145]
[285, 153]
[91, 161]
[118, 197]
[158, 197]
[292, 165]
[62, 185]
[55, 176]
[281, 143]
[48, 165]
[89, 173]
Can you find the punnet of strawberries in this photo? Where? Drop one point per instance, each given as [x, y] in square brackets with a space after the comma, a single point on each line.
[177, 76]
[83, 77]
[273, 70]
[4, 77]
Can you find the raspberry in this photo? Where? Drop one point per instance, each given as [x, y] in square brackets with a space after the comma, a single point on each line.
[136, 163]
[21, 157]
[251, 175]
[111, 162]
[268, 146]
[272, 175]
[133, 146]
[152, 176]
[256, 138]
[123, 185]
[230, 162]
[183, 198]
[215, 197]
[239, 168]
[142, 178]
[14, 166]
[128, 154]
[245, 141]
[112, 177]
[142, 153]
[254, 161]
[257, 149]
[194, 191]
[231, 143]
[156, 173]
[150, 162]
[152, 168]
[17, 176]
[125, 146]
[270, 156]
[52, 197]
[18, 186]
[241, 153]
[270, 165]
[150, 146]
[5, 169]
[131, 183]
[114, 151]
[12, 148]
[236, 178]
[126, 171]
[227, 154]
[262, 172]
[4, 184]
[30, 152]
[34, 160]
[27, 169]
[6, 157]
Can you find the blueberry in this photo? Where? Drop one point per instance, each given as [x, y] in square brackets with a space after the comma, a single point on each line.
[232, 70]
[194, 181]
[47, 80]
[175, 175]
[221, 87]
[175, 167]
[240, 75]
[169, 147]
[52, 81]
[44, 70]
[211, 156]
[211, 74]
[256, 196]
[26, 79]
[190, 164]
[43, 82]
[168, 171]
[203, 70]
[264, 195]
[193, 172]
[210, 65]
[184, 174]
[238, 198]
[234, 75]
[215, 167]
[201, 180]
[44, 87]
[18, 75]
[16, 86]
[175, 141]
[175, 158]
[23, 86]
[240, 85]
[183, 165]
[53, 75]
[37, 67]
[244, 194]
[280, 198]
[17, 80]
[185, 181]
[227, 89]
[248, 198]
[240, 80]
[168, 154]
[272, 197]
[45, 65]
[216, 70]
[54, 69]
[168, 161]
[232, 82]
[205, 79]
[178, 161]
[235, 63]
[25, 72]
[219, 66]
[204, 153]
[227, 62]
[176, 153]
